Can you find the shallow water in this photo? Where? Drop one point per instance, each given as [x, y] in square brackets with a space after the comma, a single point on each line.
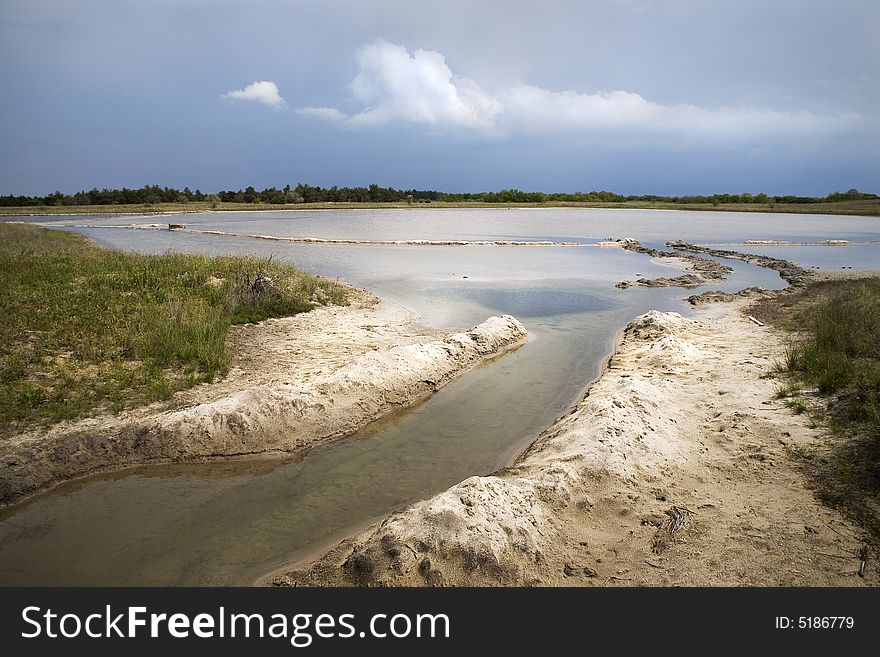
[229, 523]
[558, 224]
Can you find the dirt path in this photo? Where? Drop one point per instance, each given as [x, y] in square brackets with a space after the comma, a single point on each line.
[296, 383]
[676, 469]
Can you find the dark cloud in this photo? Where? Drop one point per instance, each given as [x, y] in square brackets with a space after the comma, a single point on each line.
[774, 95]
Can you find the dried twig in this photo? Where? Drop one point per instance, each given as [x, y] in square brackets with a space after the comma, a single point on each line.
[834, 530]
[836, 556]
[678, 517]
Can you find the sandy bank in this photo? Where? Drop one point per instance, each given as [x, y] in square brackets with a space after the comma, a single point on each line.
[794, 275]
[673, 470]
[362, 242]
[183, 228]
[297, 383]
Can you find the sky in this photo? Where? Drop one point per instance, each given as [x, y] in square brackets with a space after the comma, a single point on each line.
[633, 96]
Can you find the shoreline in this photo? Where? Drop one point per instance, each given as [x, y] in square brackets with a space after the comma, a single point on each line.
[298, 382]
[182, 228]
[872, 209]
[683, 421]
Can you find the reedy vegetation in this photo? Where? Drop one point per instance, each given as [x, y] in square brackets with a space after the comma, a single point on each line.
[839, 351]
[832, 370]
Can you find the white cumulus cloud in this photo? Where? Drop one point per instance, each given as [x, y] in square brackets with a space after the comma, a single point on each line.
[394, 86]
[263, 91]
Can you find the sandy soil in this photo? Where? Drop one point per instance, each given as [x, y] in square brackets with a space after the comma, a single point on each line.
[296, 383]
[675, 469]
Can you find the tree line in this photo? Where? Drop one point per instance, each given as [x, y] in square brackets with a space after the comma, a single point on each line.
[302, 193]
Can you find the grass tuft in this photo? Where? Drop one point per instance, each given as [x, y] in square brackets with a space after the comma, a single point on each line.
[790, 389]
[798, 405]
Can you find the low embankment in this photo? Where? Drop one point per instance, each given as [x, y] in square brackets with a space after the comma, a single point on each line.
[700, 271]
[286, 417]
[866, 207]
[103, 354]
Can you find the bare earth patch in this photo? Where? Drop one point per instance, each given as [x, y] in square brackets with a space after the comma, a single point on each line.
[677, 468]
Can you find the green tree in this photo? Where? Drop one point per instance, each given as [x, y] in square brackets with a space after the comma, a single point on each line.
[250, 195]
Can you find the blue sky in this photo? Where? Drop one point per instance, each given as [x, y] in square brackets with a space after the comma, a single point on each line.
[635, 96]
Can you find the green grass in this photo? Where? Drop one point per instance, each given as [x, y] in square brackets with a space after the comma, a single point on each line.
[788, 389]
[790, 393]
[834, 359]
[839, 352]
[87, 329]
[798, 405]
[870, 207]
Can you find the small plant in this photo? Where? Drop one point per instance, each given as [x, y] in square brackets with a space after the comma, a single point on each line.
[798, 451]
[798, 405]
[789, 389]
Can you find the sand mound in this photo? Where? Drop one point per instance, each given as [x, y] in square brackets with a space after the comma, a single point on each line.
[658, 476]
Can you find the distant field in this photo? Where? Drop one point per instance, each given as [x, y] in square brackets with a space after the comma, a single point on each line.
[861, 207]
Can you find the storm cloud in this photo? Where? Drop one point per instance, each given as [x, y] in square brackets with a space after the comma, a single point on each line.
[637, 96]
